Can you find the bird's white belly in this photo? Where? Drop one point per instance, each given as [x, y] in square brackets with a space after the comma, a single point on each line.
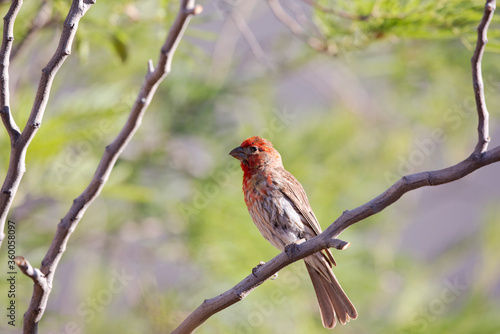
[277, 221]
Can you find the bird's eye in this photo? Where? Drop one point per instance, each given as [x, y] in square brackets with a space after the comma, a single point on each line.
[253, 148]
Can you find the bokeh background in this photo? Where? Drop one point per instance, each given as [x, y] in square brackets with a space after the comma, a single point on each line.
[351, 103]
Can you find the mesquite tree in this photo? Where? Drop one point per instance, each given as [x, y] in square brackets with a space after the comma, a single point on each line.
[320, 28]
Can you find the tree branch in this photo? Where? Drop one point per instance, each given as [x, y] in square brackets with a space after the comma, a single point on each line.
[407, 183]
[33, 273]
[17, 163]
[297, 29]
[327, 239]
[68, 224]
[249, 37]
[41, 19]
[5, 51]
[477, 78]
[211, 306]
[70, 25]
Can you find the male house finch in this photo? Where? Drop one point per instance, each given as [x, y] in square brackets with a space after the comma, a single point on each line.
[279, 207]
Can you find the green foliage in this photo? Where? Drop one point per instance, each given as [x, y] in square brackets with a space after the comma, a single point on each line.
[368, 21]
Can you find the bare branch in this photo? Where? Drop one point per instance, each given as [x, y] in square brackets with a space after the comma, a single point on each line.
[303, 20]
[326, 239]
[17, 163]
[477, 78]
[225, 44]
[297, 30]
[249, 37]
[70, 25]
[211, 306]
[68, 224]
[407, 183]
[34, 273]
[7, 39]
[41, 19]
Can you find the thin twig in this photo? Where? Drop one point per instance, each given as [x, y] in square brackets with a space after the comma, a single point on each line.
[249, 37]
[296, 28]
[286, 19]
[327, 239]
[5, 51]
[70, 221]
[41, 19]
[225, 45]
[477, 78]
[33, 273]
[303, 20]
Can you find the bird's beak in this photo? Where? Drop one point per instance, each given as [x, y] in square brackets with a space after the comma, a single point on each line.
[238, 153]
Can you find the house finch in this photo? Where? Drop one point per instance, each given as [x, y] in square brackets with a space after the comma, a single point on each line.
[279, 207]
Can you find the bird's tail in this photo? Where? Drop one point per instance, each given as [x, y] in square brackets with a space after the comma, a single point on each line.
[331, 298]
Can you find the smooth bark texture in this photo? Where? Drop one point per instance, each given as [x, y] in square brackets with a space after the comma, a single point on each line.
[14, 174]
[20, 140]
[43, 277]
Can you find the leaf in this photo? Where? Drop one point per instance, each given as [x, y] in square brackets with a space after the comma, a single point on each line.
[119, 41]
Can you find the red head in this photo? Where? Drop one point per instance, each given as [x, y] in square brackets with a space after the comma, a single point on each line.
[256, 153]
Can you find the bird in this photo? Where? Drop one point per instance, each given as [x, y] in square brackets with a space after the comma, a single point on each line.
[280, 209]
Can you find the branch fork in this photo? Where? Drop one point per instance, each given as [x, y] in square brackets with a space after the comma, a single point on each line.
[20, 141]
[44, 276]
[34, 273]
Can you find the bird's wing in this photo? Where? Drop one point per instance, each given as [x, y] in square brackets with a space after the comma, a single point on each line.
[293, 190]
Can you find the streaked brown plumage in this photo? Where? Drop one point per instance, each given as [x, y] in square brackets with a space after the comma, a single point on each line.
[280, 209]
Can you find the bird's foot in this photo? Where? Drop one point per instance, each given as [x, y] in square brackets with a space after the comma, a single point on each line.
[292, 248]
[254, 270]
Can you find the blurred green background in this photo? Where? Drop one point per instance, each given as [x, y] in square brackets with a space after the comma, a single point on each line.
[392, 95]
